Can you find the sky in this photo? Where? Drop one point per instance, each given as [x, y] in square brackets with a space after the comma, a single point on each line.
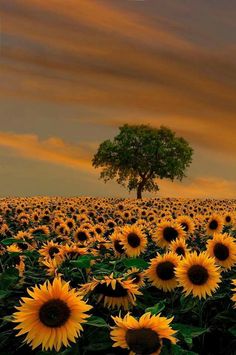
[73, 71]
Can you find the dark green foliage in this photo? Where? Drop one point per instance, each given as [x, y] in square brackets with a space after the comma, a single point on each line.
[140, 154]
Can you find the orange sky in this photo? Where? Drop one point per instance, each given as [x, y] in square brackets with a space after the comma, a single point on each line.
[73, 71]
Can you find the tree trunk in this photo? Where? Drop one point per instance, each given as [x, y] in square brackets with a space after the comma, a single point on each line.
[141, 186]
[139, 191]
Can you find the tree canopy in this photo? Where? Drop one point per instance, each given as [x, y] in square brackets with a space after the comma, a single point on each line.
[141, 154]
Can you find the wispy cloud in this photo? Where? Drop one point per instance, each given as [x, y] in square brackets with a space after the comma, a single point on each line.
[53, 150]
[199, 187]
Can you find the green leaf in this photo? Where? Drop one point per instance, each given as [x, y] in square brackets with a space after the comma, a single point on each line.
[98, 346]
[8, 278]
[157, 308]
[4, 293]
[83, 261]
[8, 318]
[176, 350]
[136, 262]
[9, 241]
[187, 304]
[232, 330]
[226, 316]
[188, 332]
[98, 340]
[97, 322]
[101, 267]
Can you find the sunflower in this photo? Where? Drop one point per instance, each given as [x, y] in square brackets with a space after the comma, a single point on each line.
[114, 292]
[70, 223]
[41, 230]
[186, 223]
[228, 219]
[81, 235]
[56, 223]
[136, 276]
[52, 266]
[110, 224]
[143, 336]
[24, 246]
[215, 224]
[24, 236]
[133, 240]
[167, 232]
[116, 238]
[233, 298]
[99, 229]
[73, 251]
[35, 217]
[126, 215]
[179, 247]
[20, 266]
[13, 248]
[50, 250]
[223, 248]
[161, 271]
[51, 316]
[198, 274]
[63, 229]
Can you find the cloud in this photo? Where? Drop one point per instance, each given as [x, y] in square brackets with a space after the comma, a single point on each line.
[78, 157]
[199, 187]
[53, 150]
[107, 56]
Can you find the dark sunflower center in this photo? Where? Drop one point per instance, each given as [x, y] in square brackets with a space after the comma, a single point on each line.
[221, 251]
[38, 231]
[165, 270]
[118, 247]
[180, 251]
[70, 224]
[107, 290]
[46, 218]
[133, 240]
[22, 246]
[136, 279]
[82, 236]
[54, 313]
[228, 219]
[198, 275]
[143, 341]
[185, 226]
[213, 224]
[170, 234]
[53, 251]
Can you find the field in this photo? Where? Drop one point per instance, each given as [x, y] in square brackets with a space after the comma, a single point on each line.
[110, 276]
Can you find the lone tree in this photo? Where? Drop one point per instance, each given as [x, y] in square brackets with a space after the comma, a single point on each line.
[140, 154]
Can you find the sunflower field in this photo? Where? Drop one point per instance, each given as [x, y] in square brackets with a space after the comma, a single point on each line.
[117, 276]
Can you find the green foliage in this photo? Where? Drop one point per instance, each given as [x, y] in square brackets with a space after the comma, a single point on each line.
[140, 154]
[188, 332]
[157, 308]
[97, 322]
[83, 261]
[135, 262]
